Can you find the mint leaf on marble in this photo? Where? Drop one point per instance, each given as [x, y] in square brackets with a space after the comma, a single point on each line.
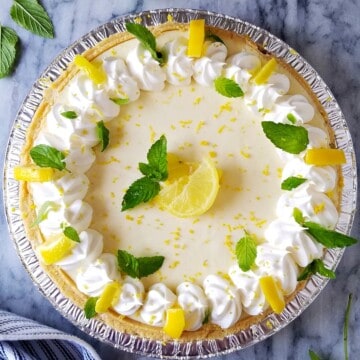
[44, 210]
[346, 327]
[69, 114]
[317, 266]
[292, 182]
[146, 38]
[32, 16]
[71, 233]
[290, 138]
[138, 267]
[228, 87]
[313, 355]
[8, 50]
[120, 101]
[47, 156]
[102, 133]
[245, 251]
[89, 308]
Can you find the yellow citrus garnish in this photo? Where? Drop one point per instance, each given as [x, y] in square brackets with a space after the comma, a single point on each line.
[56, 249]
[324, 157]
[265, 72]
[178, 168]
[108, 297]
[273, 294]
[34, 173]
[191, 195]
[174, 323]
[97, 75]
[196, 37]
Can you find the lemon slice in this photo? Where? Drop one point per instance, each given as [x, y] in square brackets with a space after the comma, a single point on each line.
[265, 72]
[34, 173]
[97, 75]
[178, 168]
[272, 293]
[108, 297]
[322, 157]
[174, 323]
[191, 195]
[56, 249]
[196, 37]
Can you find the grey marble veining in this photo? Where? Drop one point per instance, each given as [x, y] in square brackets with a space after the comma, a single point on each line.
[326, 33]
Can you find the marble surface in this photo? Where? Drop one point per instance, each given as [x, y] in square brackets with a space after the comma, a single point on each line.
[326, 33]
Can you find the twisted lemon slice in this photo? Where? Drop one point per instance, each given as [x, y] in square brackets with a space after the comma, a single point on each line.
[34, 173]
[97, 75]
[265, 72]
[174, 323]
[322, 157]
[56, 249]
[272, 293]
[108, 297]
[196, 38]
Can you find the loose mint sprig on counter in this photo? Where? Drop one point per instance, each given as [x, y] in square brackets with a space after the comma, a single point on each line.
[156, 170]
[8, 50]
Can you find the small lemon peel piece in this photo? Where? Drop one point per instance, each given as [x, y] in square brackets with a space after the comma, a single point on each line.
[109, 297]
[175, 322]
[273, 294]
[96, 74]
[265, 72]
[34, 173]
[323, 157]
[196, 38]
[55, 249]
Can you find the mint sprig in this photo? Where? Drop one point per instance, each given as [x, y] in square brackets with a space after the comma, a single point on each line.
[156, 170]
[69, 114]
[290, 138]
[44, 210]
[214, 38]
[103, 135]
[228, 87]
[89, 308]
[47, 156]
[245, 251]
[71, 233]
[147, 40]
[138, 267]
[32, 16]
[120, 101]
[316, 267]
[292, 182]
[291, 118]
[8, 50]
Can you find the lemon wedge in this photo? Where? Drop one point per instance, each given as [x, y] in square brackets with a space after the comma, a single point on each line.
[56, 249]
[96, 74]
[273, 294]
[178, 168]
[265, 72]
[196, 37]
[174, 323]
[34, 173]
[191, 195]
[322, 157]
[108, 297]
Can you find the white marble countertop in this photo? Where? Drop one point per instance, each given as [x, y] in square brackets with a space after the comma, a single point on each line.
[326, 33]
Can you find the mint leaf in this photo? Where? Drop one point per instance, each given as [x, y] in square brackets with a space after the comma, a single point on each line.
[44, 210]
[213, 38]
[69, 114]
[103, 135]
[290, 138]
[138, 267]
[71, 233]
[298, 216]
[292, 182]
[291, 118]
[328, 238]
[207, 316]
[146, 38]
[120, 101]
[316, 267]
[8, 50]
[346, 327]
[47, 156]
[246, 252]
[141, 190]
[157, 168]
[32, 16]
[313, 355]
[228, 87]
[89, 308]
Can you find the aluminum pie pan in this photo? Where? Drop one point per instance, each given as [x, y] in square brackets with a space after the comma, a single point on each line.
[173, 349]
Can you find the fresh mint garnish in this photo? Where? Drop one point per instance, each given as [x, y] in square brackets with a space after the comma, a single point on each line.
[207, 316]
[89, 308]
[102, 133]
[290, 138]
[291, 118]
[32, 16]
[8, 50]
[69, 114]
[120, 101]
[44, 210]
[147, 40]
[228, 87]
[298, 216]
[47, 156]
[213, 38]
[292, 182]
[138, 267]
[346, 327]
[246, 252]
[71, 233]
[313, 355]
[156, 170]
[316, 267]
